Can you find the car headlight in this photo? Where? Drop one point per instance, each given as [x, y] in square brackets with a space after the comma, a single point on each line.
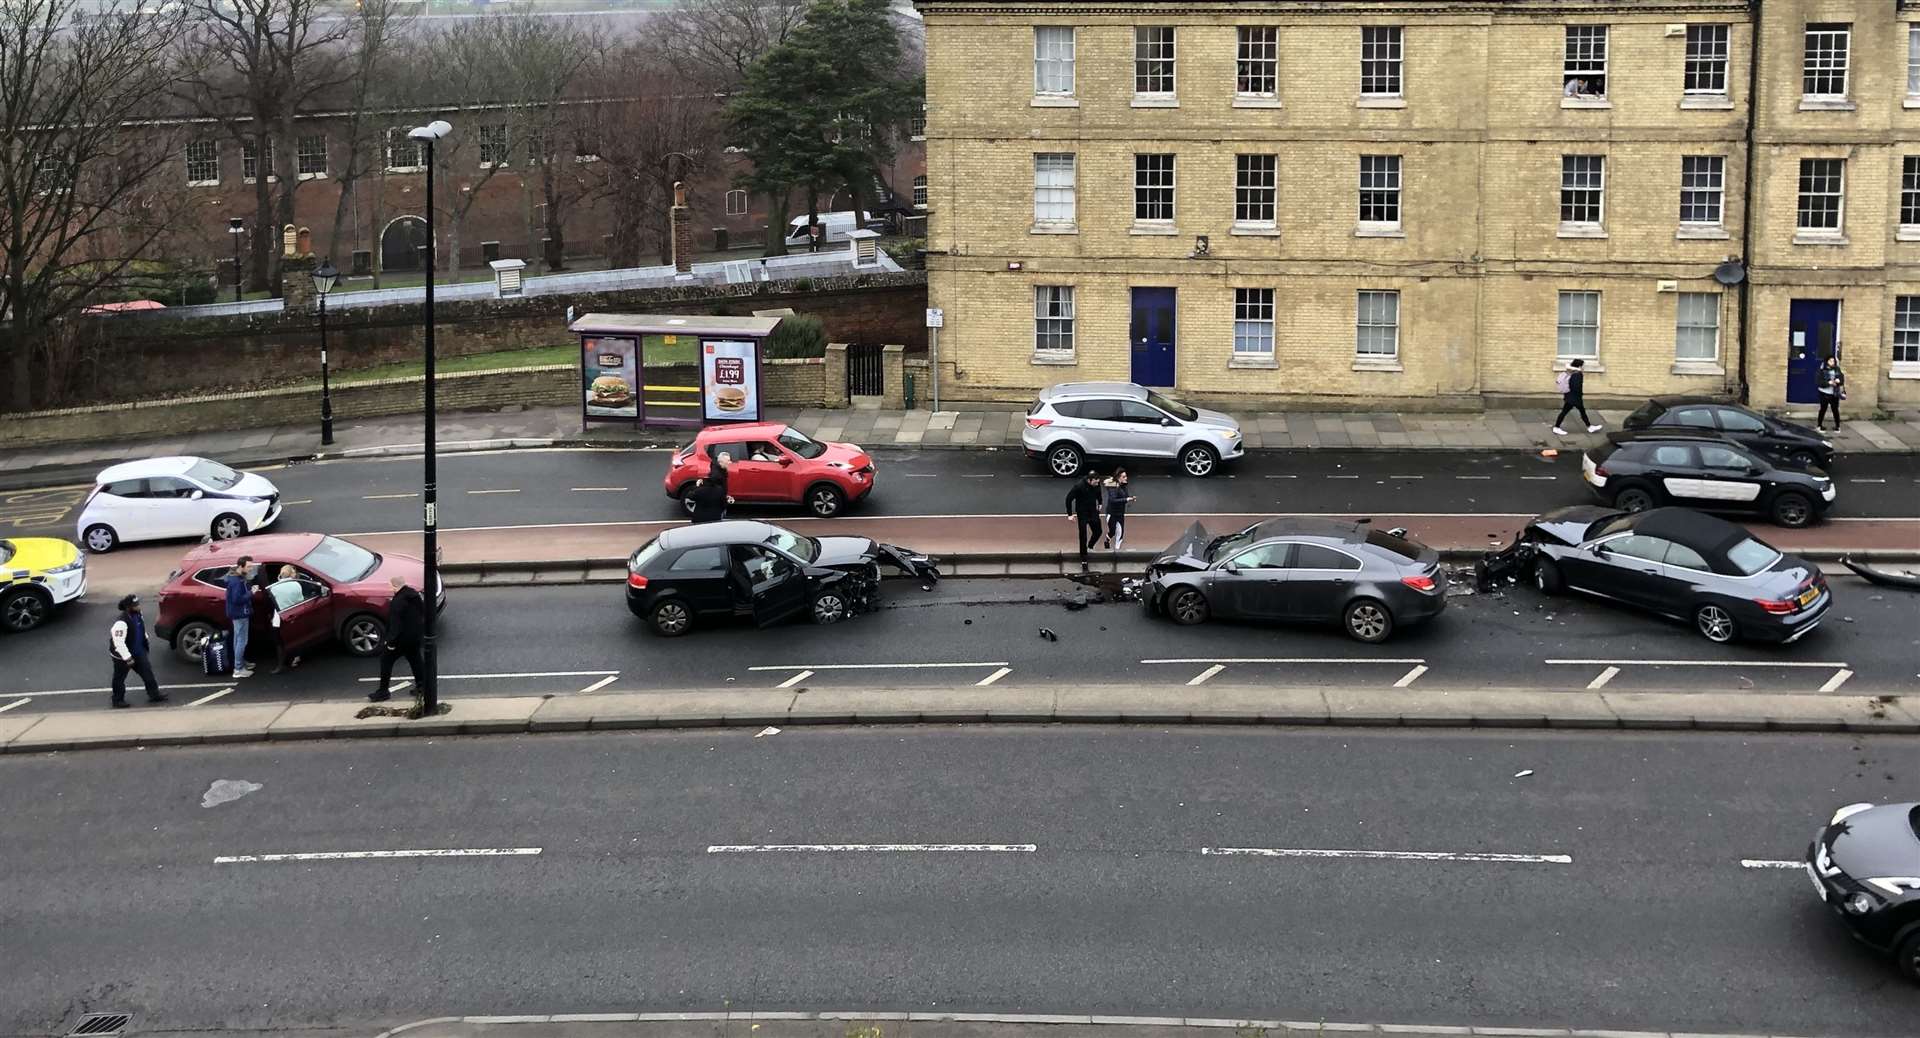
[1231, 434]
[1895, 885]
[79, 563]
[1828, 444]
[1858, 903]
[1847, 812]
[841, 465]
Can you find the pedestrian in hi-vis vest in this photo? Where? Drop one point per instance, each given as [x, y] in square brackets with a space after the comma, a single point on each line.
[127, 644]
[1572, 387]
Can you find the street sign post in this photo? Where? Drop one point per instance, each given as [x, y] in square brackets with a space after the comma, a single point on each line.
[936, 320]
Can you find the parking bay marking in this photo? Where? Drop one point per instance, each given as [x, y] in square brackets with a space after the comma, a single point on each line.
[17, 702]
[103, 688]
[598, 685]
[1215, 666]
[211, 698]
[527, 674]
[1769, 863]
[448, 852]
[797, 678]
[1314, 852]
[880, 666]
[993, 677]
[1613, 667]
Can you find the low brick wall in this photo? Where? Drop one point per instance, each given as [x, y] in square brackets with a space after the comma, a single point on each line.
[462, 391]
[795, 381]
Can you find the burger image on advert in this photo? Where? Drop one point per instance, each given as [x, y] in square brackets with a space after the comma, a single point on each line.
[729, 398]
[611, 391]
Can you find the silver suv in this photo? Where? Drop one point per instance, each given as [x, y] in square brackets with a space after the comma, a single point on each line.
[1073, 421]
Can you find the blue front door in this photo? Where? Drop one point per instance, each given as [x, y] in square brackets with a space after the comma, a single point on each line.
[1152, 333]
[1813, 336]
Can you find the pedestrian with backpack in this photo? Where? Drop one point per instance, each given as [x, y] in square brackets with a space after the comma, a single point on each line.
[240, 612]
[1572, 387]
[127, 644]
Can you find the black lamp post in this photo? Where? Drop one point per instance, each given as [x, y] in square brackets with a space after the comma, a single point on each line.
[324, 277]
[430, 491]
[238, 228]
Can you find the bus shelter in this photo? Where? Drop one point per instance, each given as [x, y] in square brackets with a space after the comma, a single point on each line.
[662, 369]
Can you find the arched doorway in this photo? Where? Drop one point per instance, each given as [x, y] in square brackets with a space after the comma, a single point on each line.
[401, 242]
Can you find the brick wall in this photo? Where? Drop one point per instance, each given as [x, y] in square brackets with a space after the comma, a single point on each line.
[794, 381]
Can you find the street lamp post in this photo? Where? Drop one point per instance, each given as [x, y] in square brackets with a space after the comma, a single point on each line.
[430, 492]
[324, 277]
[238, 228]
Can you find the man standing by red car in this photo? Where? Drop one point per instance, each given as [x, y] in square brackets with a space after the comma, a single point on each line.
[406, 622]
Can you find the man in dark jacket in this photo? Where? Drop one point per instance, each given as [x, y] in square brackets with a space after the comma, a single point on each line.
[240, 612]
[1083, 506]
[406, 623]
[127, 644]
[710, 501]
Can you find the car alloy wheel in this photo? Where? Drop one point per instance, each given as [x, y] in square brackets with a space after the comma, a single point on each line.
[364, 635]
[1802, 459]
[829, 607]
[1369, 621]
[1064, 460]
[100, 538]
[24, 610]
[686, 498]
[825, 501]
[1792, 511]
[672, 618]
[1715, 623]
[1546, 577]
[1198, 460]
[191, 642]
[227, 527]
[1908, 957]
[1633, 499]
[1188, 606]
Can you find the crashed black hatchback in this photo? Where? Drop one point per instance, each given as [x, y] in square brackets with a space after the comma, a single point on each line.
[758, 571]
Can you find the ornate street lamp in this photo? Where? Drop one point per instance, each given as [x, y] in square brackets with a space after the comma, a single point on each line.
[430, 492]
[324, 278]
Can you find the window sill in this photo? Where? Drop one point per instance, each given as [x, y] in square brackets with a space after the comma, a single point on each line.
[1819, 238]
[313, 176]
[1582, 230]
[1907, 232]
[1379, 230]
[918, 138]
[203, 183]
[406, 169]
[1254, 230]
[1256, 101]
[1904, 369]
[1161, 230]
[1707, 103]
[1154, 101]
[1591, 367]
[1698, 367]
[1585, 102]
[1826, 104]
[1377, 364]
[1701, 232]
[1055, 101]
[1912, 101]
[1264, 361]
[1054, 228]
[1380, 101]
[1053, 360]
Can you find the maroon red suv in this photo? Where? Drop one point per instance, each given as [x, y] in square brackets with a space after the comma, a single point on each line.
[345, 593]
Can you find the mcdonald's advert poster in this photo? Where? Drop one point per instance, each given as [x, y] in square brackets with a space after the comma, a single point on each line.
[732, 380]
[608, 369]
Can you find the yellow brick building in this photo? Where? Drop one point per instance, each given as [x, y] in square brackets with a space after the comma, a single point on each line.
[1425, 203]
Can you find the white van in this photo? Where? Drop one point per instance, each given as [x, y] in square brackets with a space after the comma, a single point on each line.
[837, 224]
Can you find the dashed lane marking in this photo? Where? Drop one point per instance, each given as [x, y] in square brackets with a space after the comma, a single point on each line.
[302, 501]
[449, 852]
[1839, 678]
[1201, 678]
[1315, 852]
[1539, 477]
[797, 678]
[880, 848]
[1699, 663]
[386, 497]
[1410, 676]
[599, 490]
[211, 698]
[525, 674]
[1343, 477]
[881, 666]
[993, 677]
[1769, 863]
[598, 685]
[1605, 676]
[1406, 477]
[17, 702]
[1473, 477]
[493, 491]
[1857, 480]
[1282, 477]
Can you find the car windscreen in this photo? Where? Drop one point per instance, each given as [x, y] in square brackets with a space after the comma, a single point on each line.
[1400, 546]
[1749, 556]
[342, 562]
[647, 553]
[1224, 547]
[806, 549]
[213, 474]
[6, 551]
[1913, 822]
[802, 444]
[1172, 407]
[1606, 526]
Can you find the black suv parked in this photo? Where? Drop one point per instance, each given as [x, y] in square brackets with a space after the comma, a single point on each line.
[1635, 471]
[1791, 443]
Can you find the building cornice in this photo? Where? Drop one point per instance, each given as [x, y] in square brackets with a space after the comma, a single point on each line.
[1348, 8]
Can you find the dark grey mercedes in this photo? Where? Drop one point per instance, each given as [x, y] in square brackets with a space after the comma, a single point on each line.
[1300, 570]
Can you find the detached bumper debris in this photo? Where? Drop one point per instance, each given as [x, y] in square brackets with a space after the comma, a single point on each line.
[1907, 579]
[1505, 567]
[910, 562]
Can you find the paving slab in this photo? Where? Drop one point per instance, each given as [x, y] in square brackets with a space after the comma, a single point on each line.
[147, 726]
[1738, 710]
[12, 727]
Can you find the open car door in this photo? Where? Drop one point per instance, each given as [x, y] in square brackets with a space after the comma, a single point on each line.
[779, 587]
[302, 606]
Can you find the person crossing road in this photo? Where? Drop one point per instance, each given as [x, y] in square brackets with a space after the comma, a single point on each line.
[1083, 506]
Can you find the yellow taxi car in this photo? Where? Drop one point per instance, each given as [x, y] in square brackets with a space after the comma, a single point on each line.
[36, 574]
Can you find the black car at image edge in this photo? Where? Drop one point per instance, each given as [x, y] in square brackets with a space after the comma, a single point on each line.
[1865, 866]
[1790, 442]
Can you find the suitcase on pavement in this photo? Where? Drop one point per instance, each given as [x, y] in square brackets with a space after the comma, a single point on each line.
[217, 658]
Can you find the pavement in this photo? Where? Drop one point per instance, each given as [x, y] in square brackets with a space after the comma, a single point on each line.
[1898, 433]
[1527, 879]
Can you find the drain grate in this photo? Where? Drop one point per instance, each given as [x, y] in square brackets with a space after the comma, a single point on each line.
[100, 1025]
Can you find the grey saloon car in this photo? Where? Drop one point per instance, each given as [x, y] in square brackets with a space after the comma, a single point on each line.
[1300, 570]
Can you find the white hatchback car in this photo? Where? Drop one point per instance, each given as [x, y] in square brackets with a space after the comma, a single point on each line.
[175, 497]
[1075, 420]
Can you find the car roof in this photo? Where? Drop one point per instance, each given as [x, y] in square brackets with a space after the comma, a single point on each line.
[1074, 390]
[704, 535]
[260, 545]
[1684, 401]
[1709, 535]
[739, 431]
[1312, 526]
[168, 466]
[1671, 432]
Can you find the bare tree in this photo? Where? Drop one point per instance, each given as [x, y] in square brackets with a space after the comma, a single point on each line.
[376, 82]
[712, 43]
[257, 66]
[649, 140]
[81, 197]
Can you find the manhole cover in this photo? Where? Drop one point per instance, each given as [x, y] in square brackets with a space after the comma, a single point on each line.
[101, 1025]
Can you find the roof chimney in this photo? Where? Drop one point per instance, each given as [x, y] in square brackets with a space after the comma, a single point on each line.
[682, 232]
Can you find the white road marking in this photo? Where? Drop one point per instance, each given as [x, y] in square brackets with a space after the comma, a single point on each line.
[797, 678]
[1539, 477]
[302, 501]
[598, 685]
[211, 698]
[608, 490]
[1283, 477]
[1201, 678]
[493, 491]
[17, 702]
[1410, 676]
[1311, 852]
[887, 848]
[993, 677]
[1839, 678]
[929, 475]
[385, 497]
[91, 691]
[1866, 480]
[403, 684]
[1277, 659]
[1769, 863]
[450, 852]
[1473, 477]
[527, 674]
[1605, 676]
[883, 666]
[1343, 477]
[976, 475]
[1406, 477]
[1697, 663]
[845, 520]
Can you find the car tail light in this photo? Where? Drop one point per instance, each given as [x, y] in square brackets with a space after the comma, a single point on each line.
[1777, 606]
[1421, 583]
[1039, 423]
[636, 582]
[1600, 470]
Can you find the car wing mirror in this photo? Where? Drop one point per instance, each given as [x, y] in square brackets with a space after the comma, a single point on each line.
[197, 495]
[1166, 421]
[783, 460]
[1231, 568]
[1597, 550]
